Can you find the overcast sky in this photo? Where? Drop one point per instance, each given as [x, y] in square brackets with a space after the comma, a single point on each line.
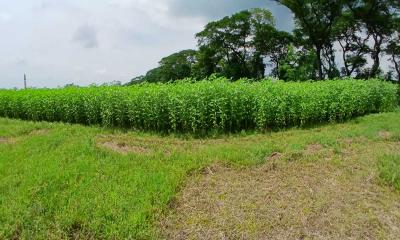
[57, 42]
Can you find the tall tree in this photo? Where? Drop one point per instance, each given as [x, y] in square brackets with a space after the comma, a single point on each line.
[178, 65]
[353, 44]
[394, 52]
[377, 17]
[315, 20]
[298, 65]
[207, 63]
[393, 48]
[329, 62]
[173, 67]
[229, 44]
[272, 44]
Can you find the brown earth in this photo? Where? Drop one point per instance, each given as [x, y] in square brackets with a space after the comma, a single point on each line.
[336, 196]
[123, 148]
[4, 140]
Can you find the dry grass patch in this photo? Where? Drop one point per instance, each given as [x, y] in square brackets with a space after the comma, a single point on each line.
[314, 148]
[298, 200]
[385, 135]
[13, 140]
[126, 144]
[4, 140]
[40, 132]
[123, 148]
[274, 156]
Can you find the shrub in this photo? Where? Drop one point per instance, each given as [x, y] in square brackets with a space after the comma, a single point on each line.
[214, 105]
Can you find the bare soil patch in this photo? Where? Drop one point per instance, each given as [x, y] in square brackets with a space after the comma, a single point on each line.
[274, 156]
[314, 148]
[4, 140]
[385, 135]
[137, 144]
[126, 144]
[298, 200]
[40, 132]
[123, 148]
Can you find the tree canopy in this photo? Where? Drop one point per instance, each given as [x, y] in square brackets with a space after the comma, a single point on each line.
[331, 39]
[171, 68]
[230, 43]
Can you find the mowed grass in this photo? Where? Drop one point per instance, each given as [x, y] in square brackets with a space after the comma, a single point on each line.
[60, 181]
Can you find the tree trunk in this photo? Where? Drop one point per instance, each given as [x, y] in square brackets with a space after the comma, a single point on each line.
[319, 62]
[375, 57]
[396, 67]
[344, 56]
[375, 66]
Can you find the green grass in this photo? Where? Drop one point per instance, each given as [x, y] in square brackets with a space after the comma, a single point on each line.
[389, 169]
[58, 182]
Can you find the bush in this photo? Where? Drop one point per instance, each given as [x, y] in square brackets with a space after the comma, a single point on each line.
[215, 105]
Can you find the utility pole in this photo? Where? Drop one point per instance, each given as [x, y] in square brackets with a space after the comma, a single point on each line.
[25, 80]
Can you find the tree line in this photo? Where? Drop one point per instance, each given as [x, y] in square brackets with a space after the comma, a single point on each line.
[331, 39]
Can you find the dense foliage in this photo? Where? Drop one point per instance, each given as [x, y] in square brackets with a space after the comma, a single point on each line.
[174, 67]
[361, 33]
[214, 105]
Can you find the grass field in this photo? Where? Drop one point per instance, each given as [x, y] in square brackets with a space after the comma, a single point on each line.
[60, 181]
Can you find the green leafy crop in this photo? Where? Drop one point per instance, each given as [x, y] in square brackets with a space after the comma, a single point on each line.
[214, 105]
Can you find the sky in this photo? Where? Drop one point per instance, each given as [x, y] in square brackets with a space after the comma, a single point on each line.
[59, 42]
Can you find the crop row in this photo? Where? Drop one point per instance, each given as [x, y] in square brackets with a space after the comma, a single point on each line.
[203, 106]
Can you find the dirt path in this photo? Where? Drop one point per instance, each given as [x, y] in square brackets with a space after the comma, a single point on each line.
[337, 195]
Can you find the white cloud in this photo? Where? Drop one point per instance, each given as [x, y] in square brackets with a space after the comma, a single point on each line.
[125, 37]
